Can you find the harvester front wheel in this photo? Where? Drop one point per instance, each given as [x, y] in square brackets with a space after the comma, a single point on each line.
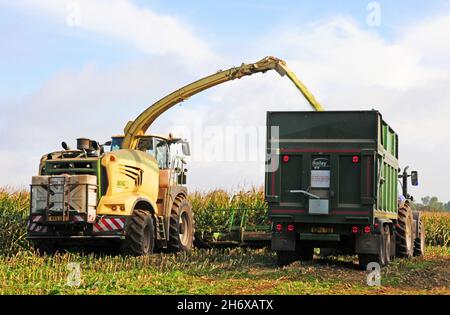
[140, 234]
[404, 232]
[44, 247]
[181, 230]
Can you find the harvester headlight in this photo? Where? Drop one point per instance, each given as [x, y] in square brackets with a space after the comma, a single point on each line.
[116, 207]
[88, 165]
[55, 166]
[71, 165]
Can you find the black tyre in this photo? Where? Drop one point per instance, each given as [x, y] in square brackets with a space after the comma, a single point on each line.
[181, 230]
[419, 242]
[305, 253]
[387, 244]
[404, 232]
[365, 259]
[139, 234]
[44, 247]
[327, 252]
[285, 258]
[383, 255]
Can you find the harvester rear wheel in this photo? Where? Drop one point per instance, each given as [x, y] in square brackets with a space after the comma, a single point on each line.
[140, 234]
[404, 232]
[181, 230]
[419, 242]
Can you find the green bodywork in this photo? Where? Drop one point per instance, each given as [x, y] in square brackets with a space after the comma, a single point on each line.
[78, 166]
[360, 151]
[243, 226]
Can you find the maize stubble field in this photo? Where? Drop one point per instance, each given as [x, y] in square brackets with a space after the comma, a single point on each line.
[211, 271]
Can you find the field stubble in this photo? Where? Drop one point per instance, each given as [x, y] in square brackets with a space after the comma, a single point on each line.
[216, 271]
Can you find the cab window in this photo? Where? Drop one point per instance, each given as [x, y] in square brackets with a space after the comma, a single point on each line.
[116, 143]
[158, 148]
[146, 145]
[162, 153]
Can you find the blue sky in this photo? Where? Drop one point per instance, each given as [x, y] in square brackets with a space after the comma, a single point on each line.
[126, 54]
[225, 24]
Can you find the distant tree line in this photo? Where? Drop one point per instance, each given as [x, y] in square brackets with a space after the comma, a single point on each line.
[432, 203]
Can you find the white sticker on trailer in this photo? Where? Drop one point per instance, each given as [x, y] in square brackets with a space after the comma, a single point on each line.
[320, 179]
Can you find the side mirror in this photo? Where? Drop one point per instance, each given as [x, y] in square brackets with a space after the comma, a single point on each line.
[182, 179]
[414, 178]
[185, 148]
[65, 146]
[95, 145]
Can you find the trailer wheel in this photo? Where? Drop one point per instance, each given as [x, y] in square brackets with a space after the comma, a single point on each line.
[181, 230]
[419, 242]
[387, 244]
[140, 234]
[383, 251]
[305, 253]
[365, 259]
[404, 232]
[327, 252]
[285, 258]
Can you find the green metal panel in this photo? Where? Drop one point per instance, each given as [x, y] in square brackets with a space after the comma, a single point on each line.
[361, 149]
[79, 167]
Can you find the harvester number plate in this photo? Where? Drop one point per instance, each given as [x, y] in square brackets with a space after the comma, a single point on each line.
[322, 230]
[56, 218]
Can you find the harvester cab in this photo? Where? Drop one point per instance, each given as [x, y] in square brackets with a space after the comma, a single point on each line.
[170, 153]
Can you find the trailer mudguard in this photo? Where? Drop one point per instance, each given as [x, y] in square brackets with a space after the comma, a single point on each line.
[367, 243]
[283, 241]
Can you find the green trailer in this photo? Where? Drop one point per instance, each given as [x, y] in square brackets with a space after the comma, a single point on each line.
[332, 183]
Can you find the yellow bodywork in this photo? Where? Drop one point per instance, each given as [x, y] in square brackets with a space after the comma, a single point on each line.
[133, 176]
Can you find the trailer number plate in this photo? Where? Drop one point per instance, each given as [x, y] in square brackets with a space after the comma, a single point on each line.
[322, 230]
[55, 218]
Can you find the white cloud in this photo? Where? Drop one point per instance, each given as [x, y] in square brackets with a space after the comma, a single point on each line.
[93, 102]
[125, 22]
[347, 67]
[344, 65]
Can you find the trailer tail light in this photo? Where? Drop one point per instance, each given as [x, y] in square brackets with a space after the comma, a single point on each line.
[290, 228]
[278, 227]
[376, 225]
[285, 158]
[355, 229]
[112, 158]
[355, 159]
[367, 229]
